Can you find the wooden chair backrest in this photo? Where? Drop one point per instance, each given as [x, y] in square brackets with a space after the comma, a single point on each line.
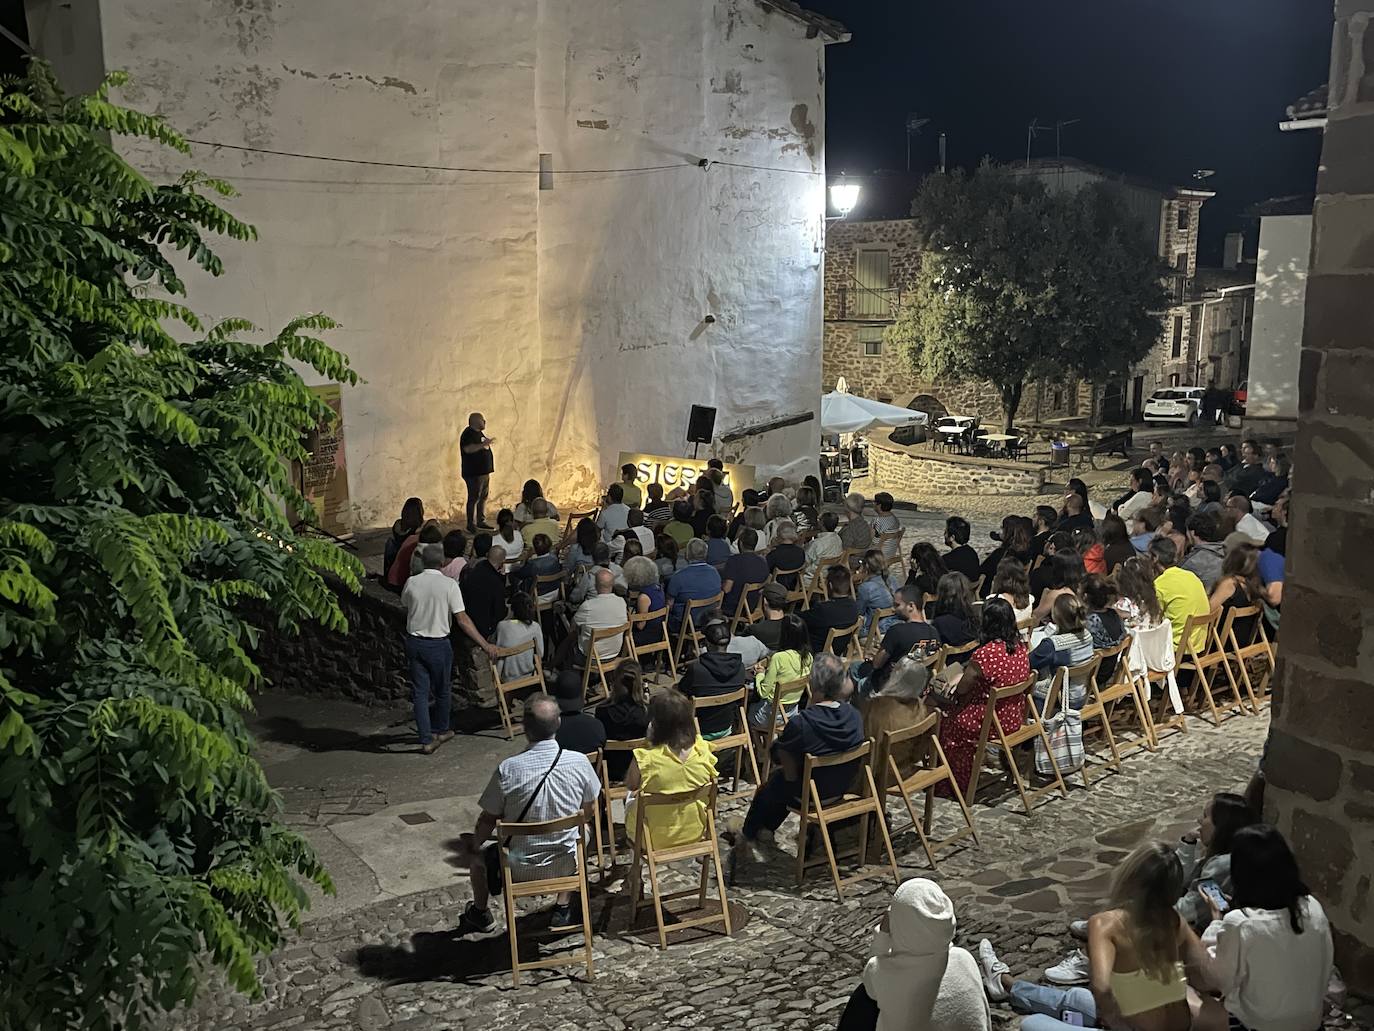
[677, 799]
[745, 604]
[739, 697]
[638, 619]
[836, 632]
[818, 583]
[1064, 676]
[1205, 623]
[957, 651]
[506, 831]
[1258, 637]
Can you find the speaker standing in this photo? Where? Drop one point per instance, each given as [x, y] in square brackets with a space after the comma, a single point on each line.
[475, 448]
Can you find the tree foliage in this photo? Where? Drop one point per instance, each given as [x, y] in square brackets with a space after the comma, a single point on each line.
[1018, 283]
[140, 508]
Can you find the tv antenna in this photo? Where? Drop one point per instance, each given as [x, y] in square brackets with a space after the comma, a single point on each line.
[1059, 128]
[914, 124]
[1032, 131]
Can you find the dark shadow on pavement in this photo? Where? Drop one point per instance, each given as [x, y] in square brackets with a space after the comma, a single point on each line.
[291, 731]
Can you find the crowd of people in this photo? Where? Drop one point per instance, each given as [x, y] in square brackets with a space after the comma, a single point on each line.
[1194, 533]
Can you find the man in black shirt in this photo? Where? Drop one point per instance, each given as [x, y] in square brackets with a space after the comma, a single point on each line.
[912, 632]
[1250, 475]
[1045, 522]
[960, 558]
[769, 629]
[475, 448]
[838, 612]
[484, 591]
[577, 731]
[1075, 514]
[787, 554]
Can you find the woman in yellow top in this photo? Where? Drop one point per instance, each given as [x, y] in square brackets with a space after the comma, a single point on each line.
[790, 662]
[677, 759]
[1142, 957]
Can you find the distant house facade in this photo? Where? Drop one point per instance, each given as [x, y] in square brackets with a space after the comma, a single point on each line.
[1285, 247]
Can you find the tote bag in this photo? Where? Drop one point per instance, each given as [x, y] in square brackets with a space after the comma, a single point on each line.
[1065, 731]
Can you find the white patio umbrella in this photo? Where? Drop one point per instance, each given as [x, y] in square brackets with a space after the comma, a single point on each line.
[848, 413]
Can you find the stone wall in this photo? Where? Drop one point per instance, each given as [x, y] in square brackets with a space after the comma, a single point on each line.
[903, 471]
[1320, 764]
[367, 665]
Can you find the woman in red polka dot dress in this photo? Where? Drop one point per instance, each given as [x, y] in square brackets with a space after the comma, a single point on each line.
[1000, 661]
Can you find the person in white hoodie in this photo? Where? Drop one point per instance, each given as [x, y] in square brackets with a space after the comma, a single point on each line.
[916, 977]
[1270, 955]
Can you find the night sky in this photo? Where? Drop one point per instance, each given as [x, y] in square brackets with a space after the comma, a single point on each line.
[1163, 88]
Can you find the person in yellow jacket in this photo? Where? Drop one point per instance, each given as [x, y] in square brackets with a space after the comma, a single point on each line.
[790, 662]
[677, 759]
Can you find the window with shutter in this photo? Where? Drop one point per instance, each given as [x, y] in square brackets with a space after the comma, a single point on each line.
[871, 340]
[872, 275]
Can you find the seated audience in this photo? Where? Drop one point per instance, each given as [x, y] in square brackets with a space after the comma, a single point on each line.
[615, 514]
[511, 541]
[703, 506]
[407, 562]
[645, 595]
[960, 558]
[826, 545]
[580, 552]
[1136, 598]
[578, 731]
[1211, 497]
[954, 615]
[790, 661]
[412, 518]
[668, 560]
[1064, 575]
[541, 521]
[624, 715]
[1250, 475]
[749, 499]
[778, 510]
[916, 977]
[1103, 621]
[1280, 466]
[455, 554]
[1001, 660]
[829, 725]
[752, 517]
[768, 630]
[677, 759]
[885, 522]
[1116, 542]
[484, 591]
[716, 671]
[839, 611]
[1239, 586]
[1270, 955]
[787, 555]
[1089, 547]
[1059, 542]
[522, 626]
[630, 492]
[694, 582]
[584, 584]
[1206, 854]
[1012, 585]
[1143, 528]
[805, 516]
[1068, 644]
[1137, 497]
[926, 568]
[1015, 537]
[1256, 529]
[872, 592]
[747, 566]
[911, 631]
[680, 528]
[1180, 593]
[718, 548]
[857, 534]
[1046, 521]
[1206, 551]
[601, 611]
[657, 512]
[635, 528]
[724, 497]
[525, 512]
[1076, 513]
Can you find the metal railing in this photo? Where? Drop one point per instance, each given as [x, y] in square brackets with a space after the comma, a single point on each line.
[865, 302]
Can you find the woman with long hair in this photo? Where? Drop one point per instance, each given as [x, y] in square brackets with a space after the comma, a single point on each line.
[668, 562]
[926, 568]
[677, 759]
[1116, 542]
[1069, 644]
[585, 539]
[509, 539]
[790, 662]
[625, 714]
[1137, 602]
[1065, 573]
[954, 615]
[521, 627]
[528, 493]
[1088, 544]
[1018, 541]
[1270, 955]
[872, 592]
[1012, 585]
[1000, 660]
[1141, 959]
[1239, 586]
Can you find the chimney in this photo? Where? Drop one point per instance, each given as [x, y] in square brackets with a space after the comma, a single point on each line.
[1231, 251]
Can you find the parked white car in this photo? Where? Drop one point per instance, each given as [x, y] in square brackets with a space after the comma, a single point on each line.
[1174, 404]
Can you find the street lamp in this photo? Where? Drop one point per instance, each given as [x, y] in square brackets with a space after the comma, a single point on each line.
[844, 195]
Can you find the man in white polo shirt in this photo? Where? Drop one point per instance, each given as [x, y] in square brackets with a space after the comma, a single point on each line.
[432, 602]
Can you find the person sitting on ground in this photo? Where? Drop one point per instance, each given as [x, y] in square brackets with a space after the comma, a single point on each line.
[669, 561]
[601, 611]
[911, 631]
[926, 567]
[657, 512]
[1116, 542]
[412, 518]
[645, 594]
[1064, 575]
[829, 725]
[680, 528]
[885, 522]
[1059, 542]
[1142, 958]
[1144, 527]
[1001, 660]
[1089, 547]
[826, 545]
[510, 539]
[615, 514]
[837, 612]
[1271, 954]
[786, 556]
[1180, 593]
[790, 661]
[716, 671]
[805, 516]
[916, 977]
[1246, 522]
[1012, 585]
[1015, 537]
[1046, 521]
[1206, 551]
[540, 521]
[768, 630]
[778, 510]
[630, 492]
[694, 582]
[1068, 644]
[584, 584]
[960, 558]
[624, 715]
[407, 562]
[1280, 467]
[544, 782]
[718, 547]
[857, 534]
[954, 615]
[521, 628]
[577, 731]
[525, 511]
[873, 593]
[676, 760]
[1138, 495]
[455, 554]
[746, 566]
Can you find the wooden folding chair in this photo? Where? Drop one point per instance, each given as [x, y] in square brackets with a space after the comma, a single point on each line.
[875, 636]
[663, 647]
[508, 687]
[852, 651]
[796, 594]
[954, 653]
[1202, 662]
[1146, 679]
[598, 761]
[514, 890]
[746, 609]
[1032, 729]
[929, 768]
[615, 790]
[777, 719]
[1257, 646]
[846, 806]
[1103, 699]
[706, 850]
[818, 584]
[1086, 674]
[594, 663]
[576, 517]
[688, 631]
[851, 557]
[546, 601]
[737, 740]
[893, 537]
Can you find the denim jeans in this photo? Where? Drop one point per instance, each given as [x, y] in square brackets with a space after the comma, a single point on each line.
[759, 710]
[1046, 1004]
[431, 667]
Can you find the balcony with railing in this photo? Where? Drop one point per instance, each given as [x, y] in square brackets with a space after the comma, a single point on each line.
[857, 301]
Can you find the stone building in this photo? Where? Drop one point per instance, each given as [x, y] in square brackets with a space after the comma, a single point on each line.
[560, 255]
[1320, 762]
[1223, 302]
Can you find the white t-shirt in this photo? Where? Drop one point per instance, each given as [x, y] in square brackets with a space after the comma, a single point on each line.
[431, 600]
[513, 548]
[601, 612]
[1137, 502]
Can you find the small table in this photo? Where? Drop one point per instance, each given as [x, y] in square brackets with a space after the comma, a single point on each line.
[1001, 440]
[951, 435]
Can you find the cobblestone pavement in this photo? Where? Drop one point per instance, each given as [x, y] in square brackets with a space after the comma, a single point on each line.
[796, 953]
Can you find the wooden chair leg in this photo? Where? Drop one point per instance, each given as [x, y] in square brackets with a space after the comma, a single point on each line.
[720, 884]
[803, 825]
[657, 889]
[505, 713]
[958, 795]
[586, 923]
[882, 826]
[830, 857]
[513, 934]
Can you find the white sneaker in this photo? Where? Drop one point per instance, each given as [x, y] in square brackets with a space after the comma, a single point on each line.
[1074, 970]
[993, 969]
[1079, 929]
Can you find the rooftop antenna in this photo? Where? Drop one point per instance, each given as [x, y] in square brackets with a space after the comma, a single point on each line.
[914, 124]
[1203, 174]
[1059, 128]
[1032, 131]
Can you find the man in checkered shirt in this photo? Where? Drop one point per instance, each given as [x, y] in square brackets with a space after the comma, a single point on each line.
[565, 782]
